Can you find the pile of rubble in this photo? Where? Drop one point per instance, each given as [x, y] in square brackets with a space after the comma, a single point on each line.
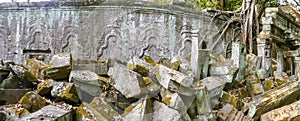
[142, 89]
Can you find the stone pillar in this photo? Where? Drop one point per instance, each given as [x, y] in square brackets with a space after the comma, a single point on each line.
[195, 54]
[297, 67]
[235, 56]
[279, 59]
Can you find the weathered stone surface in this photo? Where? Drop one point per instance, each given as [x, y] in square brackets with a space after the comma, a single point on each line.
[151, 86]
[239, 116]
[201, 104]
[11, 96]
[280, 78]
[139, 111]
[60, 66]
[65, 91]
[4, 72]
[35, 67]
[222, 68]
[32, 101]
[49, 113]
[97, 66]
[288, 112]
[273, 99]
[231, 99]
[177, 101]
[165, 75]
[268, 84]
[214, 86]
[103, 110]
[13, 82]
[44, 88]
[83, 114]
[256, 89]
[163, 112]
[13, 112]
[227, 113]
[122, 78]
[22, 73]
[88, 84]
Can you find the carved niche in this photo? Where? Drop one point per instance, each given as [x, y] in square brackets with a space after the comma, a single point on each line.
[134, 35]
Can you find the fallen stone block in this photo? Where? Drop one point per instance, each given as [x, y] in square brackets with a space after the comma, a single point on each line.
[288, 112]
[35, 67]
[4, 72]
[214, 86]
[176, 87]
[60, 66]
[165, 75]
[140, 66]
[274, 98]
[201, 104]
[222, 68]
[11, 96]
[177, 101]
[103, 111]
[32, 101]
[88, 84]
[256, 89]
[23, 74]
[239, 116]
[50, 113]
[151, 86]
[227, 113]
[83, 114]
[162, 112]
[44, 88]
[13, 112]
[65, 91]
[12, 82]
[280, 78]
[268, 84]
[139, 111]
[231, 99]
[128, 82]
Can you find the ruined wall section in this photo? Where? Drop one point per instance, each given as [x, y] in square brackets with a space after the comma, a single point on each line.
[118, 30]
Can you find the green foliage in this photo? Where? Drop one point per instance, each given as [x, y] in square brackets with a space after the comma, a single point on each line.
[229, 4]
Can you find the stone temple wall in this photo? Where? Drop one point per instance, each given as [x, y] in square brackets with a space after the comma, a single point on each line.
[110, 29]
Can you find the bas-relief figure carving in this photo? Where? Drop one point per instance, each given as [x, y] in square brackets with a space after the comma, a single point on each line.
[122, 35]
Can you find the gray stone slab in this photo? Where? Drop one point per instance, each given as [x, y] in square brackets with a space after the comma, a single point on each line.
[49, 113]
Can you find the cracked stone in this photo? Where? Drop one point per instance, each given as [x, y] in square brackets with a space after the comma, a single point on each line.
[122, 78]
